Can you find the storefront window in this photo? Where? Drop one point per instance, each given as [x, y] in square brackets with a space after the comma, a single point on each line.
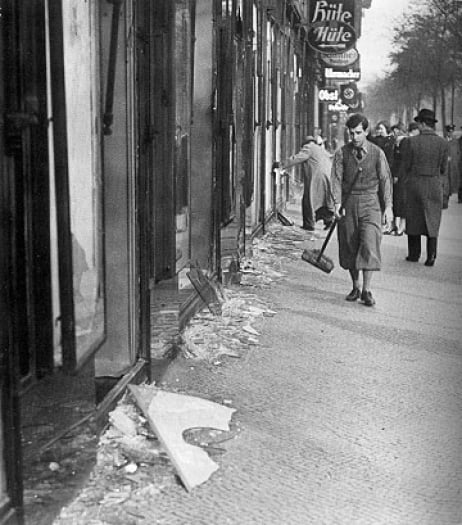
[2, 465]
[182, 163]
[84, 164]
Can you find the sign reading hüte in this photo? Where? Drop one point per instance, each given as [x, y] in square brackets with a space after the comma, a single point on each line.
[331, 26]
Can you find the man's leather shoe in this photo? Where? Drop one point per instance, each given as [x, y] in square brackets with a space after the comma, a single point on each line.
[412, 259]
[367, 299]
[430, 260]
[354, 295]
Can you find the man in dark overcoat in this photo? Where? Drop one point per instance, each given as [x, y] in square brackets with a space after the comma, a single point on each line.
[425, 159]
[361, 184]
[454, 161]
[459, 191]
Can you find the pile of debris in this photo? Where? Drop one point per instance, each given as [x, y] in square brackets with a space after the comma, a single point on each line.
[270, 252]
[131, 468]
[226, 327]
[140, 455]
[210, 337]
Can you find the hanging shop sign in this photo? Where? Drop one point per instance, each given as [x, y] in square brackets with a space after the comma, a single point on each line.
[357, 104]
[340, 74]
[338, 106]
[341, 60]
[331, 26]
[349, 94]
[328, 94]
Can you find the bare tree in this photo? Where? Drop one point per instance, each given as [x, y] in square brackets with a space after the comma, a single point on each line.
[426, 61]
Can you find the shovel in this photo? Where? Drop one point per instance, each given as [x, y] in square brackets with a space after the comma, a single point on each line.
[317, 257]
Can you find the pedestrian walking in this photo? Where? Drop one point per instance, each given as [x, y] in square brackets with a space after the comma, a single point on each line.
[361, 184]
[454, 161]
[317, 201]
[386, 141]
[459, 191]
[399, 179]
[425, 159]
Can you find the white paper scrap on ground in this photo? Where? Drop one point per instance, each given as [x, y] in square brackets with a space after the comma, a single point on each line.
[169, 415]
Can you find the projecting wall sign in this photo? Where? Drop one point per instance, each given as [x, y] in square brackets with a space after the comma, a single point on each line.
[338, 106]
[331, 24]
[341, 59]
[350, 74]
[328, 95]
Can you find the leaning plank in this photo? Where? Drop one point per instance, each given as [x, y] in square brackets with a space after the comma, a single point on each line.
[169, 415]
[286, 221]
[205, 288]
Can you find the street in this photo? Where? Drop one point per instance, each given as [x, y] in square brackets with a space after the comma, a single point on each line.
[344, 414]
[349, 414]
[172, 352]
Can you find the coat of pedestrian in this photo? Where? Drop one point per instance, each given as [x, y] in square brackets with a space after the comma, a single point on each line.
[400, 178]
[459, 191]
[425, 159]
[361, 184]
[317, 202]
[454, 161]
[399, 194]
[386, 141]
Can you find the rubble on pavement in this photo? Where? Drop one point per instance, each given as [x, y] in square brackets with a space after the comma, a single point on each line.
[170, 414]
[209, 336]
[271, 251]
[133, 470]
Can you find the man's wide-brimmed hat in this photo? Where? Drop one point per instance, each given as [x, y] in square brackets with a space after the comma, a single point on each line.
[426, 115]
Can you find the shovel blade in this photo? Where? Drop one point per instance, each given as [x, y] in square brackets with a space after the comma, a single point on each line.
[322, 262]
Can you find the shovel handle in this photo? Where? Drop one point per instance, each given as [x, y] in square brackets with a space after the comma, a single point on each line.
[327, 239]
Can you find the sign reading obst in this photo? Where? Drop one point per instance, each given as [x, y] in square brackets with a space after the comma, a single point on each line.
[328, 95]
[331, 26]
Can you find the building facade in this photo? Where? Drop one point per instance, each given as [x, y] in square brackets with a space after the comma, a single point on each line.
[138, 137]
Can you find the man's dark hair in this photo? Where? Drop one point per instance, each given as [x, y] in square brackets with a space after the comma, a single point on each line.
[412, 126]
[356, 119]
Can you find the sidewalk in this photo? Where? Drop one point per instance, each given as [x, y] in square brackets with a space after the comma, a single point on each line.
[345, 414]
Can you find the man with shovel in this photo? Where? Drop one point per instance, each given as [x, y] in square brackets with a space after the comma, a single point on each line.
[363, 201]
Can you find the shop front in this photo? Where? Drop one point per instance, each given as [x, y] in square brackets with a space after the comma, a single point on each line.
[75, 218]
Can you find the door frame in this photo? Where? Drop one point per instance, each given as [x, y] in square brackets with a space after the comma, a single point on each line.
[10, 443]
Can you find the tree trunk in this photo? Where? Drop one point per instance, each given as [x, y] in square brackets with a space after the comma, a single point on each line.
[443, 108]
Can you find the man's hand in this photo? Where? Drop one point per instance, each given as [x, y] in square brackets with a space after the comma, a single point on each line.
[339, 211]
[388, 218]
